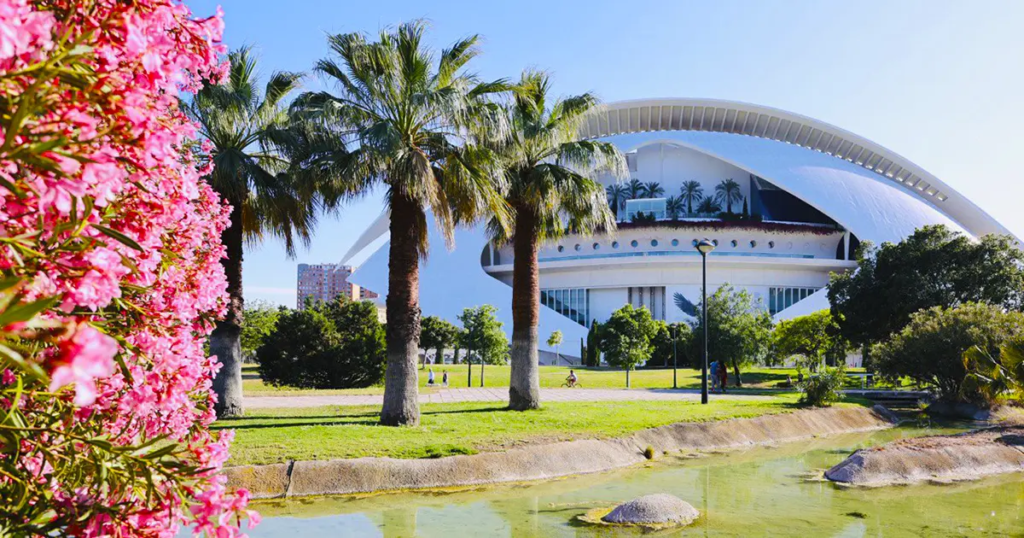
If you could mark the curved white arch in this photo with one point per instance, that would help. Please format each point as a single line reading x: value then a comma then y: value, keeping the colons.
x: 693, y: 114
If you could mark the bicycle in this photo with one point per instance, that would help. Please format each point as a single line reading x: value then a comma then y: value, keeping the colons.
x: 576, y: 385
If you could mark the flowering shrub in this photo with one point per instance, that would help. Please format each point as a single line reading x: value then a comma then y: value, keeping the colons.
x: 109, y: 274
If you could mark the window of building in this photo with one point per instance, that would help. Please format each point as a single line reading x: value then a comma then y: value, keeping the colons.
x: 654, y: 242
x: 572, y: 303
x: 615, y: 244
x: 675, y: 242
x: 781, y: 298
x: 634, y: 243
x: 647, y: 206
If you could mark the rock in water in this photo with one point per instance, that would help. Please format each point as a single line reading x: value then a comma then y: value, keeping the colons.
x: 658, y: 509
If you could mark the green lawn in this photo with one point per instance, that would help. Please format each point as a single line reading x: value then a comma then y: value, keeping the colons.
x: 277, y: 435
x: 550, y: 376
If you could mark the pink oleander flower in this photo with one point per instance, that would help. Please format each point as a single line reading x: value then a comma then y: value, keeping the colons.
x: 85, y: 357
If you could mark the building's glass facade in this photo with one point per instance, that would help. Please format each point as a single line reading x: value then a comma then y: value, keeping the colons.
x: 781, y: 298
x: 573, y: 303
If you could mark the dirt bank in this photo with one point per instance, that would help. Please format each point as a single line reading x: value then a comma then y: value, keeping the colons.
x: 364, y: 475
x: 943, y: 458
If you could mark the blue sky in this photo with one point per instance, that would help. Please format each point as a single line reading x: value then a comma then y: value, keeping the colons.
x: 937, y: 82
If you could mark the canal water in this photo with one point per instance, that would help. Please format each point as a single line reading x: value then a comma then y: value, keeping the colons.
x: 769, y: 491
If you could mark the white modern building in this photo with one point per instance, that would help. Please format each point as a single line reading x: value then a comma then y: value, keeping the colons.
x: 813, y: 192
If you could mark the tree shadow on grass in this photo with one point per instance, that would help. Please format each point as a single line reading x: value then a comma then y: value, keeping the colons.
x: 338, y: 421
x: 460, y: 411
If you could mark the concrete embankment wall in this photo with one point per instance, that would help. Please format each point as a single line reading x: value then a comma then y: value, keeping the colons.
x: 967, y: 456
x: 539, y: 462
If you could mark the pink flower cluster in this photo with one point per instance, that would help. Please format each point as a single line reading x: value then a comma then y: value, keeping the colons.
x: 123, y: 231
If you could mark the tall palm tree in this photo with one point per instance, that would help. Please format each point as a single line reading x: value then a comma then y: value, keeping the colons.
x: 408, y: 116
x: 652, y: 189
x: 551, y: 191
x: 250, y: 167
x: 728, y: 192
x: 617, y: 197
x: 635, y: 189
x: 674, y: 206
x: 691, y: 192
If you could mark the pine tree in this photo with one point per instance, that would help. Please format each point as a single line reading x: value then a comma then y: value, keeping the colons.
x: 746, y: 212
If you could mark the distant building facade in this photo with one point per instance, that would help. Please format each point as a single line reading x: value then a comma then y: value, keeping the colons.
x: 326, y: 281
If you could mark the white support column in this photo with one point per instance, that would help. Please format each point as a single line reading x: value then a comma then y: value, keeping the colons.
x: 846, y: 245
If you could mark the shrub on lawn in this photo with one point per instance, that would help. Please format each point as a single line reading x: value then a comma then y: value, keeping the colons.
x: 930, y: 349
x: 334, y: 346
x: 822, y: 390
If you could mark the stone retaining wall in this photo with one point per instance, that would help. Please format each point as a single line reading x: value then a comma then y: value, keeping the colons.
x: 539, y: 462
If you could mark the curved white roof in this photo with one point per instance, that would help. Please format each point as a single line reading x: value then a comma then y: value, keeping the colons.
x: 690, y: 114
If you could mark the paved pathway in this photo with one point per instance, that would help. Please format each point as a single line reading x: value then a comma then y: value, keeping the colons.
x: 498, y: 394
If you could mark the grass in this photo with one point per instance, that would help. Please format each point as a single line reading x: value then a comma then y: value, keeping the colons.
x: 550, y: 377
x: 277, y: 435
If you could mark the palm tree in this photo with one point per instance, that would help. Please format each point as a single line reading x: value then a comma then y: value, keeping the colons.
x: 728, y: 192
x: 674, y: 206
x: 408, y: 119
x: 250, y: 171
x: 617, y: 197
x: 652, y: 189
x: 551, y: 191
x: 635, y: 189
x: 691, y: 192
x: 709, y: 206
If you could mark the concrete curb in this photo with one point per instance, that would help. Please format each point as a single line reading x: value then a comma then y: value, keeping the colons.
x: 539, y: 462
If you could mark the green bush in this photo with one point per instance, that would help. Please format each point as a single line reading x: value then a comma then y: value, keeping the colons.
x: 336, y: 346
x: 930, y: 349
x: 822, y: 390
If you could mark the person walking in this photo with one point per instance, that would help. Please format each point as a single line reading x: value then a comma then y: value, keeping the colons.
x: 713, y: 374
x: 723, y: 373
x: 444, y: 378
x: 430, y: 376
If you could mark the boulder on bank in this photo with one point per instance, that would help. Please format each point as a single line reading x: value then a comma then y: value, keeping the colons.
x: 660, y: 509
x: 942, y: 458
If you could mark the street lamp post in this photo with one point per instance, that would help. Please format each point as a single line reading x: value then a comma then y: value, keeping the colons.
x: 704, y: 247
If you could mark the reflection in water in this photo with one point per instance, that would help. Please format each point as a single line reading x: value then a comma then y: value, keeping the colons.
x: 751, y: 493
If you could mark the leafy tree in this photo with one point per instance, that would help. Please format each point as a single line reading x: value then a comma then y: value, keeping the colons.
x: 739, y: 329
x: 671, y: 341
x: 626, y: 338
x: 250, y: 165
x: 930, y: 349
x: 412, y: 121
x: 437, y: 334
x: 551, y: 191
x: 634, y: 189
x: 337, y: 345
x: 258, y: 322
x: 583, y: 351
x: 674, y: 206
x: 593, y: 357
x: 483, y: 337
x: 709, y: 206
x: 691, y: 192
x: 555, y: 340
x: 935, y: 266
x: 652, y: 189
x: 814, y: 336
x: 728, y: 192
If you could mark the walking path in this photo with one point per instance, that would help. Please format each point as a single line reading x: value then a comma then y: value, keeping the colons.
x: 497, y: 394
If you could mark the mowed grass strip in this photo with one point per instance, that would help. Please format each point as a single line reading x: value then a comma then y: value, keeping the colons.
x: 550, y: 377
x: 277, y: 435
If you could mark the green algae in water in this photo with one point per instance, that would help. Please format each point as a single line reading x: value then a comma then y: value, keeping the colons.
x: 756, y: 492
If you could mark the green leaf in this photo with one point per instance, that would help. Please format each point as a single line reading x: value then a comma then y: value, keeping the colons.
x: 25, y: 312
x: 118, y: 236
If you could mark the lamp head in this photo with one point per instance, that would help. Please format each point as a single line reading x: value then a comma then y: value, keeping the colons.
x: 705, y: 246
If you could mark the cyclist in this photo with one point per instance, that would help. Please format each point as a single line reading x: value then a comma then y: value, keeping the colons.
x: 571, y: 380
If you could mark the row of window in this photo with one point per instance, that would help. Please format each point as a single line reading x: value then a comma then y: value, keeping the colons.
x: 573, y: 303
x: 654, y: 243
x: 781, y: 298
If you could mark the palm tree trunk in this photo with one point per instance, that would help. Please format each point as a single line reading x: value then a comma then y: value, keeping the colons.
x: 401, y: 391
x: 226, y: 339
x: 524, y: 384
